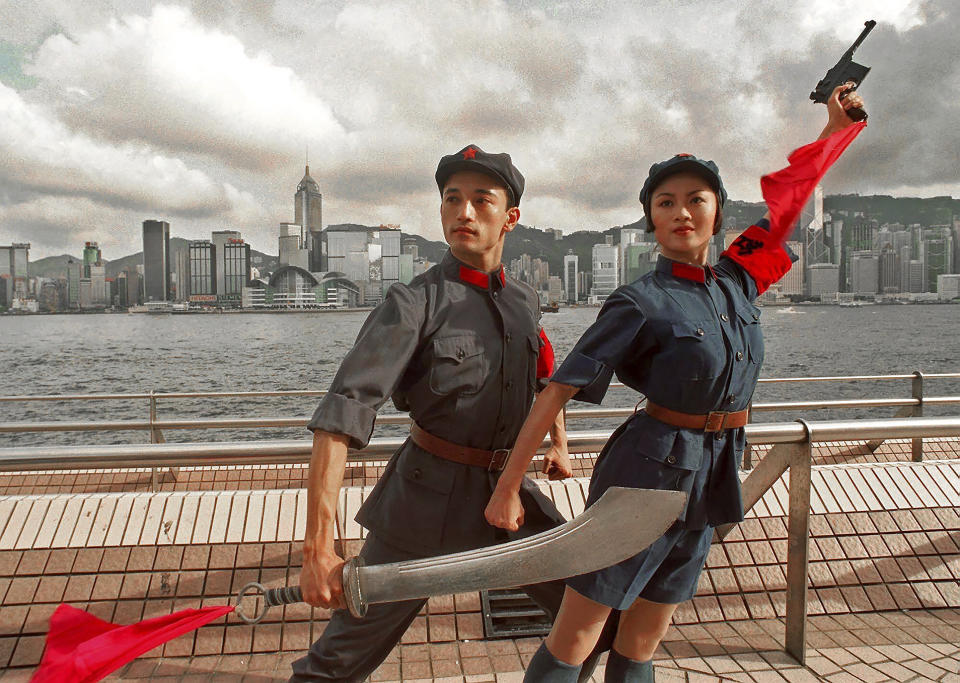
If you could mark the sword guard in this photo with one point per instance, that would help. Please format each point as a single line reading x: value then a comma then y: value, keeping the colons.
x: 351, y: 587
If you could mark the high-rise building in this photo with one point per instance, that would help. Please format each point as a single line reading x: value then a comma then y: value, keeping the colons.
x: 220, y: 238
x: 570, y: 265
x: 236, y: 272
x: 554, y: 289
x: 181, y: 274
x: 91, y: 256
x: 74, y: 274
x: 824, y: 279
x: 889, y: 266
x: 292, y: 251
x: 606, y: 271
x: 936, y: 252
x: 389, y: 256
x: 793, y: 282
x: 308, y: 214
x: 864, y: 272
x: 628, y: 236
x: 98, y: 285
x: 203, y: 268
x: 14, y: 262
x: 156, y: 261
x: 639, y: 259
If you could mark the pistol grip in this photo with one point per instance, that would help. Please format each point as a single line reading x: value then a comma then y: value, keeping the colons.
x: 857, y: 113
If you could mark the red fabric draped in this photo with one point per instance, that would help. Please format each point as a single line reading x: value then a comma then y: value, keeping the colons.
x: 760, y: 250
x: 787, y: 190
x: 82, y: 649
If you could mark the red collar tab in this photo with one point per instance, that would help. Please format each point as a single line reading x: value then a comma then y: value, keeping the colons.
x: 479, y: 278
x: 688, y: 272
x: 469, y: 153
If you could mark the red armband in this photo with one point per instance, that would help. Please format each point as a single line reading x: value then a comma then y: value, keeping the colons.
x: 545, y: 359
x: 761, y: 254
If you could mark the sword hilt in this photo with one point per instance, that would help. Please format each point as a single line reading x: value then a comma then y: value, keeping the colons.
x: 271, y: 598
x: 289, y: 595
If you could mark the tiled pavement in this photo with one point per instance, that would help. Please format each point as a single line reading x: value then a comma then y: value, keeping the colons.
x: 921, y: 645
x: 884, y: 538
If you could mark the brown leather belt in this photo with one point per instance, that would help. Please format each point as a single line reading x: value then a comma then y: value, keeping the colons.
x: 492, y: 460
x: 711, y: 422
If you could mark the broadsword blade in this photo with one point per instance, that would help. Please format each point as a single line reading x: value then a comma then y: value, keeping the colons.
x: 620, y: 524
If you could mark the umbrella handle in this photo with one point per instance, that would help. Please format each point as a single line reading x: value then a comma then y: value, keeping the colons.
x: 271, y: 598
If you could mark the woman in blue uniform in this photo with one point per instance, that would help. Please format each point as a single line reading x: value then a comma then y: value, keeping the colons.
x: 687, y: 337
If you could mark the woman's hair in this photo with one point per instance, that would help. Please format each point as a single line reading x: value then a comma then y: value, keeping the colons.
x: 717, y: 223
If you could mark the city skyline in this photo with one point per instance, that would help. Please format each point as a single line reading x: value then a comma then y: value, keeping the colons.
x: 211, y: 115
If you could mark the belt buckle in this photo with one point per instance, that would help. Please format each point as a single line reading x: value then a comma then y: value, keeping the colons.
x: 715, y: 421
x: 499, y: 460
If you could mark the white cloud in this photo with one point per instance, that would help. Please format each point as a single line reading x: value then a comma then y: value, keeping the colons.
x: 204, y: 109
x: 166, y: 79
x: 42, y: 155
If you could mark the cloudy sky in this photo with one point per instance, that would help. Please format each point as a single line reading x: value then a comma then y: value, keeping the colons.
x: 200, y: 112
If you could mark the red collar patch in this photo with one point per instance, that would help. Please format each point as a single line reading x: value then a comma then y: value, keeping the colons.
x: 688, y: 272
x: 479, y: 278
x: 470, y: 153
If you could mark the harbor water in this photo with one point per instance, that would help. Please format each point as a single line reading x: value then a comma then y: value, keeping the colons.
x: 119, y: 353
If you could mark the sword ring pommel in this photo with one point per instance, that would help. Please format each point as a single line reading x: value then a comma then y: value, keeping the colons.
x: 351, y: 587
x: 255, y: 590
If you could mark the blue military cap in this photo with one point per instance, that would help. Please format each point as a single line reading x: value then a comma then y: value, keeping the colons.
x: 677, y: 164
x: 472, y: 158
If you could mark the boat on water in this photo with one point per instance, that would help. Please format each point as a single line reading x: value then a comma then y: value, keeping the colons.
x: 552, y: 307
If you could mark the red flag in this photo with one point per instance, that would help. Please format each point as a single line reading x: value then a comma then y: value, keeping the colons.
x: 760, y: 250
x: 82, y: 649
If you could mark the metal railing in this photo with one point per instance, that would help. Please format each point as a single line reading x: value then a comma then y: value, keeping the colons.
x: 792, y: 450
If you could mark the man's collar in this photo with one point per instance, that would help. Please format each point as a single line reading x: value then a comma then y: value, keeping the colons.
x: 684, y: 271
x: 458, y: 270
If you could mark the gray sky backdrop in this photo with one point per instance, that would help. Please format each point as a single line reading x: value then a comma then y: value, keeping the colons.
x: 199, y: 113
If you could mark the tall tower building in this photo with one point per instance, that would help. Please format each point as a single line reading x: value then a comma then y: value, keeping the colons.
x: 156, y: 261
x: 308, y: 214
x: 220, y: 239
x: 570, y: 264
x: 203, y: 267
x: 91, y: 256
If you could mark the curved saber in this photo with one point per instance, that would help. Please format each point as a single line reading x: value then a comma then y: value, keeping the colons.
x: 619, y: 525
x: 623, y: 522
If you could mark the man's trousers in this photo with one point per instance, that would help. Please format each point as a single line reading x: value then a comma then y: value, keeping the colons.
x: 350, y: 649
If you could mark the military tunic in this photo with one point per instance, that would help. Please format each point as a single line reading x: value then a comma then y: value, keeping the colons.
x: 457, y: 348
x: 688, y: 338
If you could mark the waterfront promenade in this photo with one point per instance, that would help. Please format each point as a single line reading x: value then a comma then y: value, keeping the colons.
x: 883, y: 598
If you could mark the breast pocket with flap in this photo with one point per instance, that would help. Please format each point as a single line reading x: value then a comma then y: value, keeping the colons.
x: 458, y: 365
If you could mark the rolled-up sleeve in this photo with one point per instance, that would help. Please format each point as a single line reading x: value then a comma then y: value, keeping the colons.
x: 372, y: 369
x: 615, y: 335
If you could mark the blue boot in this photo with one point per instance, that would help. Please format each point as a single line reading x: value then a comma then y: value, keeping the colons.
x: 620, y: 669
x: 545, y: 668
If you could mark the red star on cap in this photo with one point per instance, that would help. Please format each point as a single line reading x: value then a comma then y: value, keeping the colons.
x: 683, y: 154
x: 470, y: 153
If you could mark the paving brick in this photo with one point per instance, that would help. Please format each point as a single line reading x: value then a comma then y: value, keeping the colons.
x: 141, y: 558
x: 27, y: 651
x: 21, y: 590
x: 32, y: 562
x: 60, y: 561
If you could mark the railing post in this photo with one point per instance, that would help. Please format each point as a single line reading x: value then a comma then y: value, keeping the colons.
x: 917, y: 446
x: 798, y: 540
x: 747, y: 448
x: 154, y: 478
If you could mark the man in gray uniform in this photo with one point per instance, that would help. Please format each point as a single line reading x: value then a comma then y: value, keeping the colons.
x: 458, y: 348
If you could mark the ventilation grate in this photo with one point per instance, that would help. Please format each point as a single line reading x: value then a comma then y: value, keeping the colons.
x: 511, y: 613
